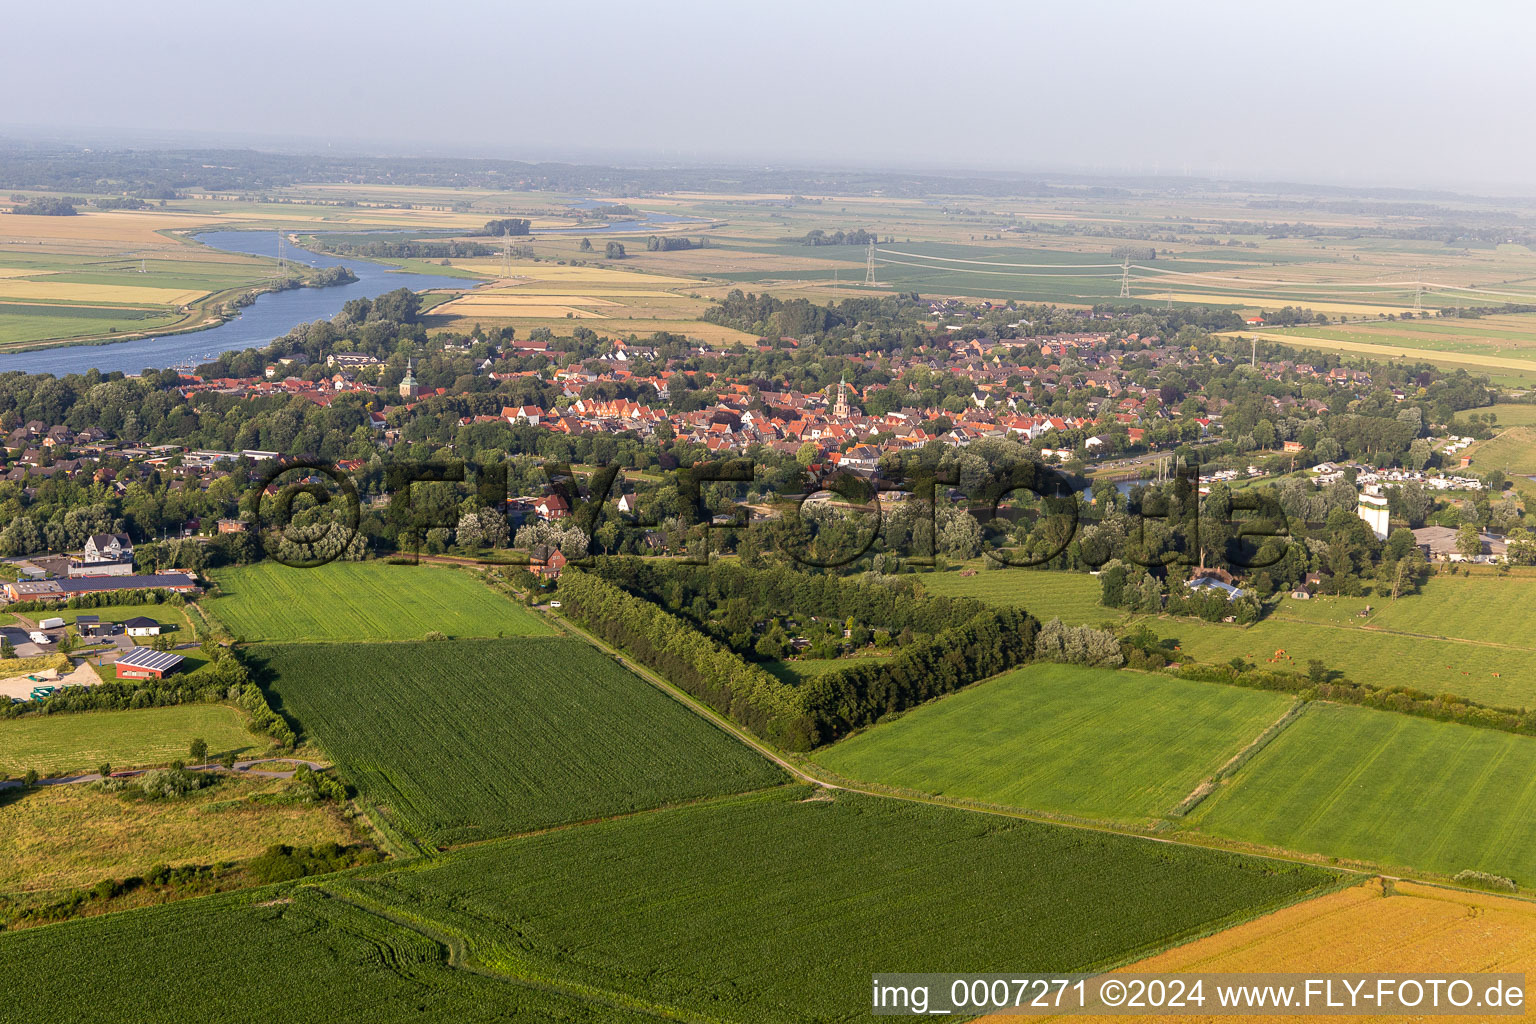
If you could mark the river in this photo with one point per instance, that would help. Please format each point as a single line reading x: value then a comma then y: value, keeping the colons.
x: 271, y: 316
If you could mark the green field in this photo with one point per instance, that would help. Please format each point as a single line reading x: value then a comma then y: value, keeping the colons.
x: 793, y: 672
x: 21, y: 323
x: 1508, y: 414
x: 762, y: 909
x: 1461, y: 635
x: 1512, y: 450
x: 1494, y: 675
x: 471, y: 739
x: 1485, y: 609
x: 332, y: 962
x: 364, y: 601
x: 1094, y: 743
x: 67, y: 743
x: 1073, y: 597
x: 1388, y: 789
x: 1465, y: 635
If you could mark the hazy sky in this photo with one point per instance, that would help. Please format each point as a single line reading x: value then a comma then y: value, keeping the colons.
x: 1389, y: 93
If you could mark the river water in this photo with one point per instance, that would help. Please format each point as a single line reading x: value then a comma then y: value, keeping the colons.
x: 271, y: 316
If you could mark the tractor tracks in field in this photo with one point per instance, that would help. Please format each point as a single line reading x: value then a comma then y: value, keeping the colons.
x: 455, y: 951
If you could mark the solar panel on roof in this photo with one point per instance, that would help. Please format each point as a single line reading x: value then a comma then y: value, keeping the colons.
x: 144, y: 657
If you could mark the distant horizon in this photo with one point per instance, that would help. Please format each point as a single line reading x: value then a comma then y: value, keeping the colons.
x: 13, y: 135
x: 1358, y: 95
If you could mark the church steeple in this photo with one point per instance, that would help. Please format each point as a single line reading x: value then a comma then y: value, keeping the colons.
x: 840, y: 410
x: 408, y: 388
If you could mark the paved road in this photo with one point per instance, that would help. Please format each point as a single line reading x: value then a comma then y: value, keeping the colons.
x: 245, y: 767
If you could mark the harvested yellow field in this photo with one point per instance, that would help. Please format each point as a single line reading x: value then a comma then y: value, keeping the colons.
x: 1398, y: 352
x: 730, y: 261
x: 1401, y: 927
x: 570, y: 292
x: 492, y: 308
x: 1261, y: 302
x: 22, y: 288
x: 553, y: 273
x: 20, y: 271
x: 711, y: 334
x: 124, y: 227
x: 505, y: 298
x: 384, y: 217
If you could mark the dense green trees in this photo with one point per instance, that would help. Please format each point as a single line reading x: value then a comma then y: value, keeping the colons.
x: 948, y: 643
x: 46, y: 207
x: 856, y: 236
x: 506, y: 226
x: 672, y: 243
x: 688, y: 658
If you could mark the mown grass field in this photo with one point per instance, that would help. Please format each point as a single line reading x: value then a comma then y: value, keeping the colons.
x: 22, y: 322
x: 363, y: 601
x: 1487, y: 609
x: 57, y: 837
x: 69, y: 743
x: 759, y: 910
x: 1507, y: 414
x: 1512, y: 450
x: 471, y: 739
x: 1093, y: 743
x: 1072, y: 597
x: 1470, y: 636
x: 1389, y: 789
x: 1479, y: 671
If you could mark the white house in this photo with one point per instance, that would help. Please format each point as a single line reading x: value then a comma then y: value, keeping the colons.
x: 142, y: 626
x: 108, y: 547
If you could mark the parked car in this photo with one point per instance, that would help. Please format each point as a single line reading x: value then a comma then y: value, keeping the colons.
x: 39, y: 637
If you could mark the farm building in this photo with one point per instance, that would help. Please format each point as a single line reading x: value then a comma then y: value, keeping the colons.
x: 1439, y: 544
x: 59, y: 589
x: 144, y: 663
x: 1212, y: 583
x: 141, y: 626
x: 92, y: 626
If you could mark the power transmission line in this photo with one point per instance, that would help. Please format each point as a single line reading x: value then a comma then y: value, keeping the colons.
x: 988, y: 273
x: 992, y: 263
x: 1125, y: 279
